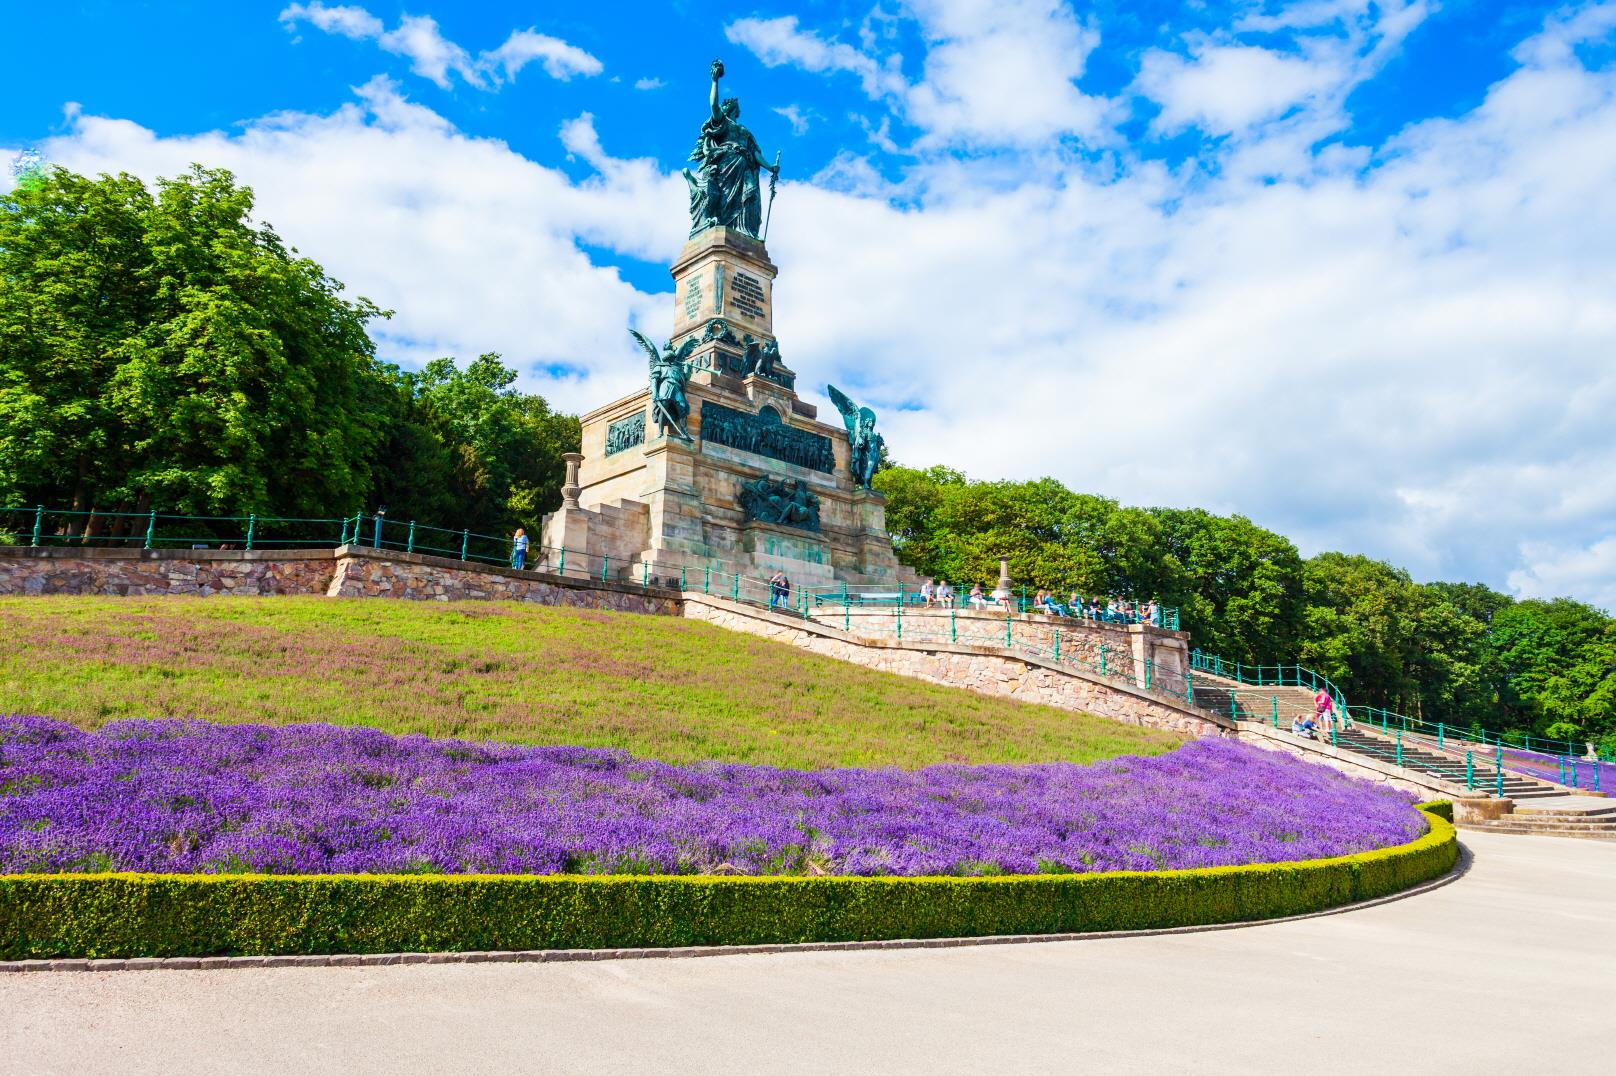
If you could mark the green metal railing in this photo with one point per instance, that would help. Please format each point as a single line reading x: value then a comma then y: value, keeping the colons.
x: 47, y: 527
x: 1267, y: 675
x: 1531, y: 755
x: 902, y: 594
x: 1542, y: 745
x: 880, y: 613
x: 1400, y: 734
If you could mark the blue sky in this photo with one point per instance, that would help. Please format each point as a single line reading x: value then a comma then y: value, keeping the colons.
x: 1344, y: 267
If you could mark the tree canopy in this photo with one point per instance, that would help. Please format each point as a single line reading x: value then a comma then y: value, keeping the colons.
x: 1455, y: 652
x: 161, y: 350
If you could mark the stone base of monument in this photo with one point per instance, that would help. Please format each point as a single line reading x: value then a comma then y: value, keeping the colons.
x: 760, y: 484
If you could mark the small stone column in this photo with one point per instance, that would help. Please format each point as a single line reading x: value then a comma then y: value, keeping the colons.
x: 1002, y: 591
x: 570, y: 488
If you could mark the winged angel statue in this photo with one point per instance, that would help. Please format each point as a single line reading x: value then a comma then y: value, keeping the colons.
x: 863, y: 442
x: 669, y: 372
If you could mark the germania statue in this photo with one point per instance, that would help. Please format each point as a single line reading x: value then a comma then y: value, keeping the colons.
x: 725, y: 191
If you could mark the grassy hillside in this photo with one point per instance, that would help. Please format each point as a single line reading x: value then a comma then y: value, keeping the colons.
x: 656, y: 686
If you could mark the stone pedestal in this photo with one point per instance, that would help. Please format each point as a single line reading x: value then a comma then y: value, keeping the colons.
x: 724, y: 274
x: 668, y: 503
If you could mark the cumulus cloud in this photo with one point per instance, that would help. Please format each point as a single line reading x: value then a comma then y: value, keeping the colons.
x: 995, y: 73
x: 1552, y: 570
x: 783, y: 42
x: 435, y: 57
x: 1229, y: 88
x: 1320, y: 51
x: 1405, y: 350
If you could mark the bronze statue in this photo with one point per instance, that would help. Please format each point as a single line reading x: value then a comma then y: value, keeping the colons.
x: 670, y: 409
x: 761, y: 358
x: 864, y: 444
x: 726, y: 193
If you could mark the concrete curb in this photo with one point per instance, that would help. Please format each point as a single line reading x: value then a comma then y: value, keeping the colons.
x: 559, y: 956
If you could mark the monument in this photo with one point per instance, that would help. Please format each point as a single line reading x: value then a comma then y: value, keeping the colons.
x: 717, y: 463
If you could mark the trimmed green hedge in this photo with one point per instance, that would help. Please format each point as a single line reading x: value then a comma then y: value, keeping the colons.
x: 1440, y: 808
x: 127, y: 915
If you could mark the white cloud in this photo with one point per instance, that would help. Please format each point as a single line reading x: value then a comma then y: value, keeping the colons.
x: 1323, y: 49
x: 475, y: 247
x: 648, y: 84
x: 782, y: 42
x: 995, y: 73
x: 1404, y: 351
x: 435, y: 57
x: 794, y: 116
x: 559, y: 59
x: 352, y: 22
x: 1229, y: 88
x: 431, y: 54
x: 1552, y: 570
x: 1001, y: 72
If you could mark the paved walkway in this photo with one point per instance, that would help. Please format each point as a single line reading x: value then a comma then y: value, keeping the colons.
x: 1511, y: 968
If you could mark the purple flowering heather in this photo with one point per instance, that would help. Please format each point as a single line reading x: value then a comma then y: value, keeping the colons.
x: 192, y: 796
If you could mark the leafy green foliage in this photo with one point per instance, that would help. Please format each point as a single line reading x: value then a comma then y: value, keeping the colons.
x: 163, y: 350
x: 160, y: 350
x: 134, y: 915
x: 1454, y: 652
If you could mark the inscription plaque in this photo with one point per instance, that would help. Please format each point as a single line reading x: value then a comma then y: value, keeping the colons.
x: 693, y: 299
x: 747, y: 296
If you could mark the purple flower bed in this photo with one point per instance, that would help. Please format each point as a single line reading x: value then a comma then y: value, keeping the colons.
x: 192, y: 796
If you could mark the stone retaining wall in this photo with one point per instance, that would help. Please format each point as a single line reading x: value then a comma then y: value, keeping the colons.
x: 139, y: 572
x: 410, y: 576
x: 348, y: 572
x: 976, y: 668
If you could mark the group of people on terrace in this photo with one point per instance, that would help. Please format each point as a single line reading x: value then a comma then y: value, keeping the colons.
x: 1111, y: 610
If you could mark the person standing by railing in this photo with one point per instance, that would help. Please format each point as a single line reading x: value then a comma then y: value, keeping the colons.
x: 779, y: 591
x: 519, y: 549
x: 1323, y: 705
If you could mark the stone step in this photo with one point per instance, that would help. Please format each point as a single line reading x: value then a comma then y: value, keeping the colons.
x: 1586, y: 832
x: 1601, y: 813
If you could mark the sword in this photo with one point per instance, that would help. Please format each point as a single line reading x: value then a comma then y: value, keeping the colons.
x: 774, y: 177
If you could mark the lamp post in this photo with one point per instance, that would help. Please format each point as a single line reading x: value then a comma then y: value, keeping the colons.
x: 376, y: 535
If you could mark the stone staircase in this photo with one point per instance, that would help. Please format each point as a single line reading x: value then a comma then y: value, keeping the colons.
x: 1441, y: 765
x: 1588, y: 817
x: 1246, y: 702
x: 1251, y: 703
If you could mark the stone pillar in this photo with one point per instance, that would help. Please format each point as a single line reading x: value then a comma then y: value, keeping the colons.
x: 1002, y: 591
x: 570, y: 487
